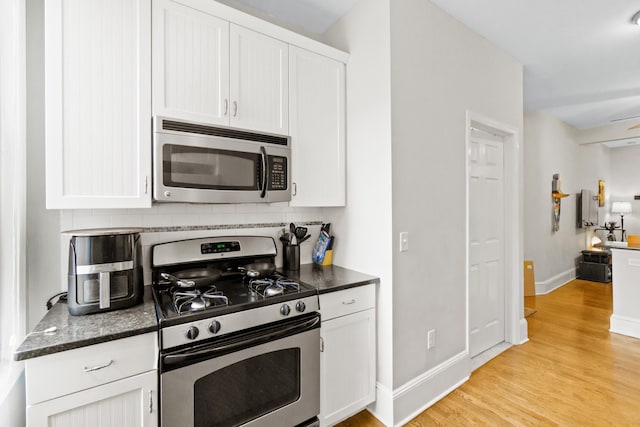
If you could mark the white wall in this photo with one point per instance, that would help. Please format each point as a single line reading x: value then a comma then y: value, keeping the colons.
x: 440, y: 69
x: 43, y: 257
x: 12, y: 408
x: 363, y: 229
x: 624, y: 184
x: 551, y: 146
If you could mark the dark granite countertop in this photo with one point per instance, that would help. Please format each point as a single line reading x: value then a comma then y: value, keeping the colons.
x: 80, y: 331
x: 330, y: 278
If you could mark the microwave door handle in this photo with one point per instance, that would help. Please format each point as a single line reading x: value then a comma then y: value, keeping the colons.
x: 263, y: 155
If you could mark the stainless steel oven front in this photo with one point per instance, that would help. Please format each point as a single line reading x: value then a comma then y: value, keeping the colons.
x: 266, y: 376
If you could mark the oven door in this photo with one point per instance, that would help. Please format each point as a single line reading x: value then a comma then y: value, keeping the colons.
x: 267, y: 377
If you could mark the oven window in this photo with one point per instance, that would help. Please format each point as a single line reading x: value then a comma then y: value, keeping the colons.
x: 246, y: 390
x: 208, y: 168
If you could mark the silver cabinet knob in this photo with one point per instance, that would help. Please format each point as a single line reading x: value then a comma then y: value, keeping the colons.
x: 167, y: 194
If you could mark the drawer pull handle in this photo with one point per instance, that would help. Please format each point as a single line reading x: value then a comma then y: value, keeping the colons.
x: 349, y: 302
x: 97, y: 367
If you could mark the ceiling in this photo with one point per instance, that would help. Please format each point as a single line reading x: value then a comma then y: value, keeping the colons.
x: 581, y: 57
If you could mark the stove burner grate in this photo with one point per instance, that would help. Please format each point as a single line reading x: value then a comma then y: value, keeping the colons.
x: 186, y: 301
x: 272, y: 287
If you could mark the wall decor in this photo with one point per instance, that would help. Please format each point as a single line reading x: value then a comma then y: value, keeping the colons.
x: 556, y: 196
x: 600, y: 192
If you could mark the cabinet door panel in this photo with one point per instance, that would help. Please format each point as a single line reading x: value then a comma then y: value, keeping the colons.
x: 191, y: 64
x: 347, y: 381
x: 126, y: 403
x: 259, y: 82
x: 97, y: 103
x: 317, y: 125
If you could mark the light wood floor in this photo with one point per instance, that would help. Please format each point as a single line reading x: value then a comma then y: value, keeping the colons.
x: 572, y: 372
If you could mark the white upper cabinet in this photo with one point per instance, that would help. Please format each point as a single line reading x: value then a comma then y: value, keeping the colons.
x: 97, y: 103
x: 211, y: 71
x: 259, y: 79
x: 190, y: 64
x: 317, y: 123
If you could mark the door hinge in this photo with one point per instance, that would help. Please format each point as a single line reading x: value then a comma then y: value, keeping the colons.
x: 321, y: 345
x: 146, y: 185
x: 150, y: 401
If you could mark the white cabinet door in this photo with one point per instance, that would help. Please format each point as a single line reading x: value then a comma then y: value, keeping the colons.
x: 348, y: 371
x: 190, y: 64
x: 210, y: 71
x: 259, y: 81
x: 98, y: 103
x: 317, y: 124
x: 125, y: 403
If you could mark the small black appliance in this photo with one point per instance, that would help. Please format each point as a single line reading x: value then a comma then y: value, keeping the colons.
x: 105, y: 270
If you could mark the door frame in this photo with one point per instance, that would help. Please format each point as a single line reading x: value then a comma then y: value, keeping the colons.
x: 515, y: 323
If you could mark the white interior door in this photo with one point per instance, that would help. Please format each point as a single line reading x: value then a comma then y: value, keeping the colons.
x: 486, y: 241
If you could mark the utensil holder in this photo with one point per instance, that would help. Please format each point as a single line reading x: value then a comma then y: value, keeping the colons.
x: 291, y: 257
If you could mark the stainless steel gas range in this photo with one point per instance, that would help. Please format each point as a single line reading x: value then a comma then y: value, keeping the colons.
x: 239, y: 342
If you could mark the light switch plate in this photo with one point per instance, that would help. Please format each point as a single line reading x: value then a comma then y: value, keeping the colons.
x: 404, y: 241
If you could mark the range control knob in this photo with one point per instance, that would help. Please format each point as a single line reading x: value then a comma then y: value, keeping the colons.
x: 214, y: 327
x: 192, y: 332
x: 300, y: 306
x: 285, y: 310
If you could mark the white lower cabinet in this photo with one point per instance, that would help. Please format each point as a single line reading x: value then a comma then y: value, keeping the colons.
x: 125, y: 403
x: 348, y: 358
x: 111, y: 384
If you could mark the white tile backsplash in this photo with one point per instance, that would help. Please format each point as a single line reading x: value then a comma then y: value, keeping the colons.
x: 250, y: 216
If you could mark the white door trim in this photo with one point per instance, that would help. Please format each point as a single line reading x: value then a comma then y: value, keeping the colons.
x: 515, y: 324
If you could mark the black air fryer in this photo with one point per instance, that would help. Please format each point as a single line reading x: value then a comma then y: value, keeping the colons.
x: 105, y: 270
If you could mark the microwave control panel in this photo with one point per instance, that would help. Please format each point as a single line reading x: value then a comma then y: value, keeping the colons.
x: 278, y: 179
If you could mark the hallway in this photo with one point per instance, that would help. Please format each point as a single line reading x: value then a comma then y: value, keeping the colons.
x: 573, y: 371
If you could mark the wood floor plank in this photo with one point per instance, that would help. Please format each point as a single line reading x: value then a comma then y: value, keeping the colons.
x: 572, y: 372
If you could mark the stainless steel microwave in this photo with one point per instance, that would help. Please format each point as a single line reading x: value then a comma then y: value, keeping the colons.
x: 198, y: 163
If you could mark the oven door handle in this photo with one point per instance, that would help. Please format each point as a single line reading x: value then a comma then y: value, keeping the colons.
x: 263, y: 155
x: 215, y: 349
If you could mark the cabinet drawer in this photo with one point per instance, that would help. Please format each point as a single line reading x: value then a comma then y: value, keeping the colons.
x: 340, y: 303
x: 59, y: 374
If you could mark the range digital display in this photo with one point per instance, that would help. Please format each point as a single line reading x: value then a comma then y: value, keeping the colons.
x: 214, y: 248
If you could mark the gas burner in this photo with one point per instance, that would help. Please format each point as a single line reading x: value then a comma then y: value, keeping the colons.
x: 272, y: 287
x: 186, y: 301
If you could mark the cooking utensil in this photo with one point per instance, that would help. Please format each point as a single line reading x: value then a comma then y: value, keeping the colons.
x: 300, y: 232
x: 258, y: 269
x: 292, y: 229
x: 304, y: 239
x: 286, y: 238
x: 194, y: 277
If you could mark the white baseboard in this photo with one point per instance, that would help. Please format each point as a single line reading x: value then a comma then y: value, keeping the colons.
x: 523, y: 334
x: 416, y: 395
x: 625, y: 325
x: 382, y: 408
x: 555, y: 282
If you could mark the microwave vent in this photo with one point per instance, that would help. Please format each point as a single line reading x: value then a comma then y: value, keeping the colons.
x: 223, y: 132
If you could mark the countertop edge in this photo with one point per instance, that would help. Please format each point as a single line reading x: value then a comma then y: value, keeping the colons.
x: 57, y: 348
x: 375, y: 280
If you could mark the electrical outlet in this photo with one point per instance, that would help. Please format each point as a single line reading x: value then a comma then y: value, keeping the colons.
x: 404, y: 241
x: 431, y: 339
